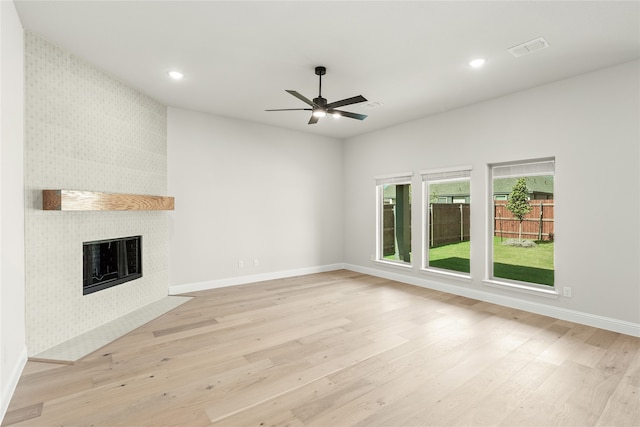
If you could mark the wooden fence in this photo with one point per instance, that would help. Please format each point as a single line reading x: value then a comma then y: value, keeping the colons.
x: 388, y: 230
x: 448, y: 223
x: 537, y: 224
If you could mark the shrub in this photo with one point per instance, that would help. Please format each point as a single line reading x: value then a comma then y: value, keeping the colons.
x: 520, y: 243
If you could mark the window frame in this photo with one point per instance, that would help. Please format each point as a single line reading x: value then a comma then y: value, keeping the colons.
x: 511, y: 284
x: 449, y: 174
x: 380, y: 181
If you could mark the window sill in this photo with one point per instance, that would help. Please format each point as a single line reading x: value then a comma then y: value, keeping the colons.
x: 394, y: 264
x: 527, y: 289
x: 449, y: 274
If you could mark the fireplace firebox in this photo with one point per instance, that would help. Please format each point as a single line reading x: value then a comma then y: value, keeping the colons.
x: 111, y: 262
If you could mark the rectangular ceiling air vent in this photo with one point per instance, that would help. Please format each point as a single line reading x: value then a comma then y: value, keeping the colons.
x: 529, y: 47
x: 372, y: 104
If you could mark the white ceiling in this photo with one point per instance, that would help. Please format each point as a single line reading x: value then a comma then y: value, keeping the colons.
x: 239, y: 56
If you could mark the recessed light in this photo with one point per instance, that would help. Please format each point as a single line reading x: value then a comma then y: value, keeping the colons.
x: 477, y: 63
x: 176, y: 75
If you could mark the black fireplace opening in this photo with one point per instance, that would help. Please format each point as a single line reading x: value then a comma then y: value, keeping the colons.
x: 111, y: 262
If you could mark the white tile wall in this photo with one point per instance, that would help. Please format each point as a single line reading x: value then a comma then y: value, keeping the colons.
x: 85, y: 130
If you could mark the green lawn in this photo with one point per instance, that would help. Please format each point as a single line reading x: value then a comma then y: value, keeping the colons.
x: 533, y: 265
x: 454, y: 256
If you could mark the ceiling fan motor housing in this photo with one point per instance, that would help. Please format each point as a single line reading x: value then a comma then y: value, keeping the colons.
x: 320, y: 101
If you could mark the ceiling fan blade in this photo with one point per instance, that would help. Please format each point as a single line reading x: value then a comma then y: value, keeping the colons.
x: 348, y: 101
x: 348, y: 114
x: 313, y: 120
x: 302, y: 98
x: 291, y: 109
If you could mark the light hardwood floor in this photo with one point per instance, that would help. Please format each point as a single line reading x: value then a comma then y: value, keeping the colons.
x: 341, y: 349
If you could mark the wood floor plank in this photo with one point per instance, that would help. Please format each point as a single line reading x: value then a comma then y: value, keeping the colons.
x: 277, y: 410
x: 249, y: 397
x: 181, y: 328
x: 340, y: 349
x: 547, y: 403
x: 23, y: 414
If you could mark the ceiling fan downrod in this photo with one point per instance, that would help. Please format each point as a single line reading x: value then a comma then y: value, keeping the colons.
x: 320, y: 71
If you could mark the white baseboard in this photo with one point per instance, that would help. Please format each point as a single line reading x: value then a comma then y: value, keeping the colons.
x: 243, y: 280
x: 12, y: 382
x: 602, y: 322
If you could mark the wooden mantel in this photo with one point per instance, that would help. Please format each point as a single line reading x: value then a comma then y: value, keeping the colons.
x: 73, y: 200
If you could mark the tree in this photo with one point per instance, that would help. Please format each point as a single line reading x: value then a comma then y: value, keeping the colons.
x: 518, y: 203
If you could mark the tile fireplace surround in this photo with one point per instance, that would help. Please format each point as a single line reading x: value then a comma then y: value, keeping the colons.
x: 86, y: 130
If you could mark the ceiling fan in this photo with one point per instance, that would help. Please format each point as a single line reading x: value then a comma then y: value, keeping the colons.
x: 320, y: 107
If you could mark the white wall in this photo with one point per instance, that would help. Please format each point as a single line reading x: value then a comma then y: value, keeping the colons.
x: 12, y: 265
x: 247, y: 192
x: 589, y: 123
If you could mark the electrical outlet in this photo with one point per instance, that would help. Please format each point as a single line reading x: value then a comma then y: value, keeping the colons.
x: 566, y: 291
x: 256, y: 263
x: 240, y: 263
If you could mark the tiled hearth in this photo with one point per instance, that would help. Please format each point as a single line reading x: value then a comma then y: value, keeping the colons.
x: 88, y: 342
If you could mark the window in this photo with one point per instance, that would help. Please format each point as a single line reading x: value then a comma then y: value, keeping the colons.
x: 447, y: 210
x: 522, y: 234
x: 394, y: 218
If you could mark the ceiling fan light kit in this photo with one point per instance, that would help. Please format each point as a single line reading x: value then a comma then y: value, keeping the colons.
x: 320, y: 107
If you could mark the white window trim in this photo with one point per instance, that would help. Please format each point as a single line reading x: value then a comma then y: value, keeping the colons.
x: 451, y: 274
x: 397, y: 264
x: 380, y: 180
x: 498, y: 282
x: 523, y: 287
x: 445, y: 170
x: 544, y: 167
x: 425, y: 174
x: 394, y: 178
